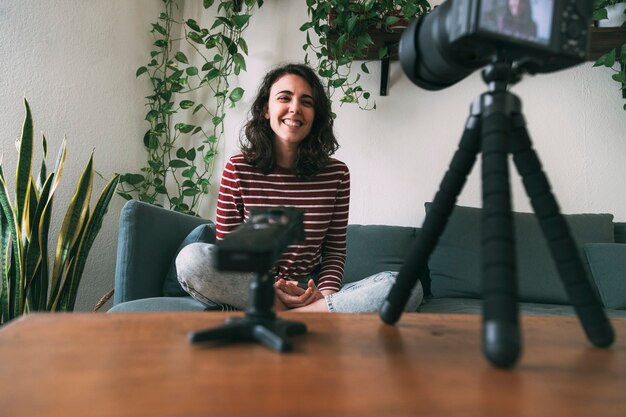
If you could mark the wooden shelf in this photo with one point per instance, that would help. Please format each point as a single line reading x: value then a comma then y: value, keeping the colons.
x: 602, y: 40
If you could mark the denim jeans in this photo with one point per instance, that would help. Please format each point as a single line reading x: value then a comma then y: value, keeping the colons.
x: 228, y: 290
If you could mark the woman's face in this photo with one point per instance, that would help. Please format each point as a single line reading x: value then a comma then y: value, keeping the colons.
x: 290, y: 110
x: 514, y: 7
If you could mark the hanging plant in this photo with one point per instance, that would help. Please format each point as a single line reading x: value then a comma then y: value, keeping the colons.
x: 177, y: 175
x: 340, y: 32
x: 615, y: 59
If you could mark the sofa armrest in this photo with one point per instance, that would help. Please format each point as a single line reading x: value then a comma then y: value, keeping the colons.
x: 149, y: 237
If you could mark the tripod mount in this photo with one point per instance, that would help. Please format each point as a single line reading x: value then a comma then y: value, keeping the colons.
x: 496, y: 128
x: 254, y: 247
x: 259, y: 323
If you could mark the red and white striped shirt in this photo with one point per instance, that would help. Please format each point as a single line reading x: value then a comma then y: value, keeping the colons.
x: 325, y: 199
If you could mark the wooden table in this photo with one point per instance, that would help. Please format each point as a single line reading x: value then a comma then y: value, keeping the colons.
x: 138, y: 364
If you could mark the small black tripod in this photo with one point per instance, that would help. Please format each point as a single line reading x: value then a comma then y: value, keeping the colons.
x: 495, y: 128
x: 259, y: 324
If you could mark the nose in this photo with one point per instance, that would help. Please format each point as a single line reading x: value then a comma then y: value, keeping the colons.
x: 294, y: 106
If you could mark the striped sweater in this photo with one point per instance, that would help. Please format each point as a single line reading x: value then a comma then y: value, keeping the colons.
x: 325, y: 200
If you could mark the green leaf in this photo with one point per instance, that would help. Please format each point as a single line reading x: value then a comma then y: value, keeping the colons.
x: 217, y: 120
x: 181, y: 57
x: 195, y: 37
x: 191, y: 71
x: 191, y: 154
x: 236, y: 94
x: 73, y: 222
x: 600, y: 14
x: 239, y: 61
x: 133, y: 179
x: 338, y: 82
x: 157, y: 27
x: 241, y: 20
x: 193, y: 25
x: 152, y: 115
x: 190, y: 192
x: 23, y: 172
x: 181, y: 153
x: 186, y: 104
x: 141, y: 70
x: 183, y: 127
x: 12, y: 275
x: 207, y: 3
x: 607, y: 60
x: 364, y: 68
x: 189, y: 173
x: 177, y: 163
x: 243, y: 45
x: 86, y: 242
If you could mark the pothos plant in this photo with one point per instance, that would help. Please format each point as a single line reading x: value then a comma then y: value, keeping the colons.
x: 339, y: 32
x: 28, y: 284
x: 183, y: 153
x: 615, y: 59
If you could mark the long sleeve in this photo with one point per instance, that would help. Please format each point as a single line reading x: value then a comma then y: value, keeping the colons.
x: 334, y: 245
x: 230, y: 207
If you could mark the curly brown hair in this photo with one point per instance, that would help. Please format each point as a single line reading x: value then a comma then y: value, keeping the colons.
x: 257, y: 143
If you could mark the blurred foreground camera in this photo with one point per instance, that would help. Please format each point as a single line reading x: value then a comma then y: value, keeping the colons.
x: 536, y: 36
x: 258, y: 243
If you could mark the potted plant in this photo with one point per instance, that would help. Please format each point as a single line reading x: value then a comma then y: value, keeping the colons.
x: 611, y: 16
x: 27, y: 282
x: 340, y: 32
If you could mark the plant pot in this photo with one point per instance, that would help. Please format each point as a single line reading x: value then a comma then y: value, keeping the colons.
x: 616, y: 16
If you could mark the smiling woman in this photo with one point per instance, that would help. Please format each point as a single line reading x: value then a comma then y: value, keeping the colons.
x: 286, y: 161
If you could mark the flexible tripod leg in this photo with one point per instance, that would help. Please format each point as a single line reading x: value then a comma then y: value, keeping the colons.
x: 501, y: 330
x: 556, y: 232
x: 435, y: 220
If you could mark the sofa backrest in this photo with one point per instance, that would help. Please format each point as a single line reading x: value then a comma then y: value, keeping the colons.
x: 376, y: 248
x: 619, y: 229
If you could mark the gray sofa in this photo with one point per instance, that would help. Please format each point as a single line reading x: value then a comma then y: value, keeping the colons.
x: 150, y: 237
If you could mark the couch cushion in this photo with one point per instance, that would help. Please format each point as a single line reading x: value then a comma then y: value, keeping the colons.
x: 608, y: 269
x: 205, y: 233
x: 159, y: 304
x: 620, y: 232
x: 376, y: 248
x: 474, y: 306
x: 455, y: 265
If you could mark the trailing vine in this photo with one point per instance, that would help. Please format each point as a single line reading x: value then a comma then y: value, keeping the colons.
x: 181, y: 155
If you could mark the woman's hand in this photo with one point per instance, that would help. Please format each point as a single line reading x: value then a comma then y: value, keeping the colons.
x: 292, y: 296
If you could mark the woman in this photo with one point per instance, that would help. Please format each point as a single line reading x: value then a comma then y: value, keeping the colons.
x: 286, y: 161
x: 517, y: 19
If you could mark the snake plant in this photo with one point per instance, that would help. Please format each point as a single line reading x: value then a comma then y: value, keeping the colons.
x: 28, y: 284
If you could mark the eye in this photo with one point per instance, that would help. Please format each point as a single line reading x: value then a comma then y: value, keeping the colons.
x: 283, y: 99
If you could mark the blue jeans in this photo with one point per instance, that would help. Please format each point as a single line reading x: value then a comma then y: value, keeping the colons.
x: 221, y: 290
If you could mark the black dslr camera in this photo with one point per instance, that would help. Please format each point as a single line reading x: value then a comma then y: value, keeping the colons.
x: 259, y: 242
x: 460, y: 36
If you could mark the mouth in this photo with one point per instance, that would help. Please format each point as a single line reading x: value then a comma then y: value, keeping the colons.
x: 292, y: 122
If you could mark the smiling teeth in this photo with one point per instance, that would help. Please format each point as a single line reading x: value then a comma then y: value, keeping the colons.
x: 292, y: 123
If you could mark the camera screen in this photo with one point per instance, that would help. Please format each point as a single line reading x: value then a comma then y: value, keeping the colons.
x: 526, y: 20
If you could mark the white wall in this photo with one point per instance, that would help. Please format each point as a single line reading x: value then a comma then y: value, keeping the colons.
x: 75, y: 61
x: 398, y: 153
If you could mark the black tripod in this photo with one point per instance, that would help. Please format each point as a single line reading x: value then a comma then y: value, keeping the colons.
x: 495, y: 128
x: 259, y: 323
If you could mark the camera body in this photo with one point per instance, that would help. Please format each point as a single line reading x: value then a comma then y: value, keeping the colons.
x: 460, y: 36
x: 257, y: 244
